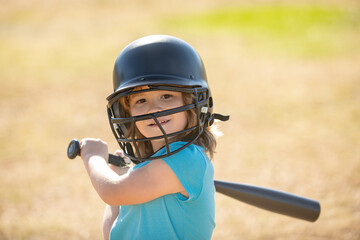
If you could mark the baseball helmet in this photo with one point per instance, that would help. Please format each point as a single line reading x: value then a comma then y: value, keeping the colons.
x: 159, y: 62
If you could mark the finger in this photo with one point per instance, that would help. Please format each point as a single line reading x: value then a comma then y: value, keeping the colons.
x: 127, y: 160
x: 121, y: 154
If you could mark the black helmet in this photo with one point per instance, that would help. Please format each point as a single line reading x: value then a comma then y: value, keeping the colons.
x: 160, y: 62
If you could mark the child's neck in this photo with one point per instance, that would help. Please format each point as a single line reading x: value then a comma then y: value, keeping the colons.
x: 157, y: 144
x: 160, y: 143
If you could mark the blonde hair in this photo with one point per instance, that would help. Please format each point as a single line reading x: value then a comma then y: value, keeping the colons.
x: 207, y: 138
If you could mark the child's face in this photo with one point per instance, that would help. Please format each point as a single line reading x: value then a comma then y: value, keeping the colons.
x: 156, y: 101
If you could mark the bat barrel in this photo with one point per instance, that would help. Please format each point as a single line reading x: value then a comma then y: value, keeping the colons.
x: 271, y: 200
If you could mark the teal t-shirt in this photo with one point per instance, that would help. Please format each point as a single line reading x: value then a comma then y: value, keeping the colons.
x: 174, y: 216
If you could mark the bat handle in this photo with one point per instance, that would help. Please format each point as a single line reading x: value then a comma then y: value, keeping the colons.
x: 74, y: 150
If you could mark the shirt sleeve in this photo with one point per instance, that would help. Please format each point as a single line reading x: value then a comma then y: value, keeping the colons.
x: 189, y: 166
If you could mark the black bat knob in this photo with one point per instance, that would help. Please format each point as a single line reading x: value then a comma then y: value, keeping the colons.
x: 74, y: 150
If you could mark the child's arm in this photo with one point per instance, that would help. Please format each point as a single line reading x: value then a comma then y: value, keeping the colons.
x: 144, y: 184
x: 110, y: 214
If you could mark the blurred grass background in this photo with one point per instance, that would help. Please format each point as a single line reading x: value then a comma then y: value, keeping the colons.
x: 288, y: 73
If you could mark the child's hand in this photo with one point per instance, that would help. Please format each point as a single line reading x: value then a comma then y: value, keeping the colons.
x: 120, y: 170
x: 121, y: 154
x: 93, y: 147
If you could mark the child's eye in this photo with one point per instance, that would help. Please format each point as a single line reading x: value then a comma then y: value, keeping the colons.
x: 166, y: 96
x: 142, y: 100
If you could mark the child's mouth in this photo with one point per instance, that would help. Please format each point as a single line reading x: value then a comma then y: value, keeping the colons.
x: 162, y: 122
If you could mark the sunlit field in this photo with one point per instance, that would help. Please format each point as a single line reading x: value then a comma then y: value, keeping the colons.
x: 287, y: 72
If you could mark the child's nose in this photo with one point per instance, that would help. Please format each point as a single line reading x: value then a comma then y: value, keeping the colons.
x: 155, y: 106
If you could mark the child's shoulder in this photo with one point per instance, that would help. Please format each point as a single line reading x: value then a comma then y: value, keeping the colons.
x: 192, y: 155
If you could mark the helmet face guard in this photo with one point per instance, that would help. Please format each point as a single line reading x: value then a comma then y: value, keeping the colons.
x: 124, y: 127
x: 159, y: 62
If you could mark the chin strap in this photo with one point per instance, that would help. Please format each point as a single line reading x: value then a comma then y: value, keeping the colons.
x: 221, y: 117
x: 218, y: 116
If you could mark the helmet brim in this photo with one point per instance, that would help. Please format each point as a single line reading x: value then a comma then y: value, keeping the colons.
x: 157, y: 80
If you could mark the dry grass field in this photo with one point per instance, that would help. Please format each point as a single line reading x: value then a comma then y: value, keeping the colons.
x: 288, y: 73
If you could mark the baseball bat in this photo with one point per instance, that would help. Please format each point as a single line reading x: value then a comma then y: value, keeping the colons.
x: 269, y: 199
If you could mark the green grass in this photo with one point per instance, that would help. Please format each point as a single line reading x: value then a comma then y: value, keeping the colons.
x: 310, y: 30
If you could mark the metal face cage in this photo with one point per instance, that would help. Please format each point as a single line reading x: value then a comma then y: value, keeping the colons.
x: 122, y: 125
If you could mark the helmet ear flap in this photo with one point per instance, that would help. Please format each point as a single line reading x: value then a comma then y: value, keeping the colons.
x: 118, y: 112
x: 116, y: 109
x: 121, y: 130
